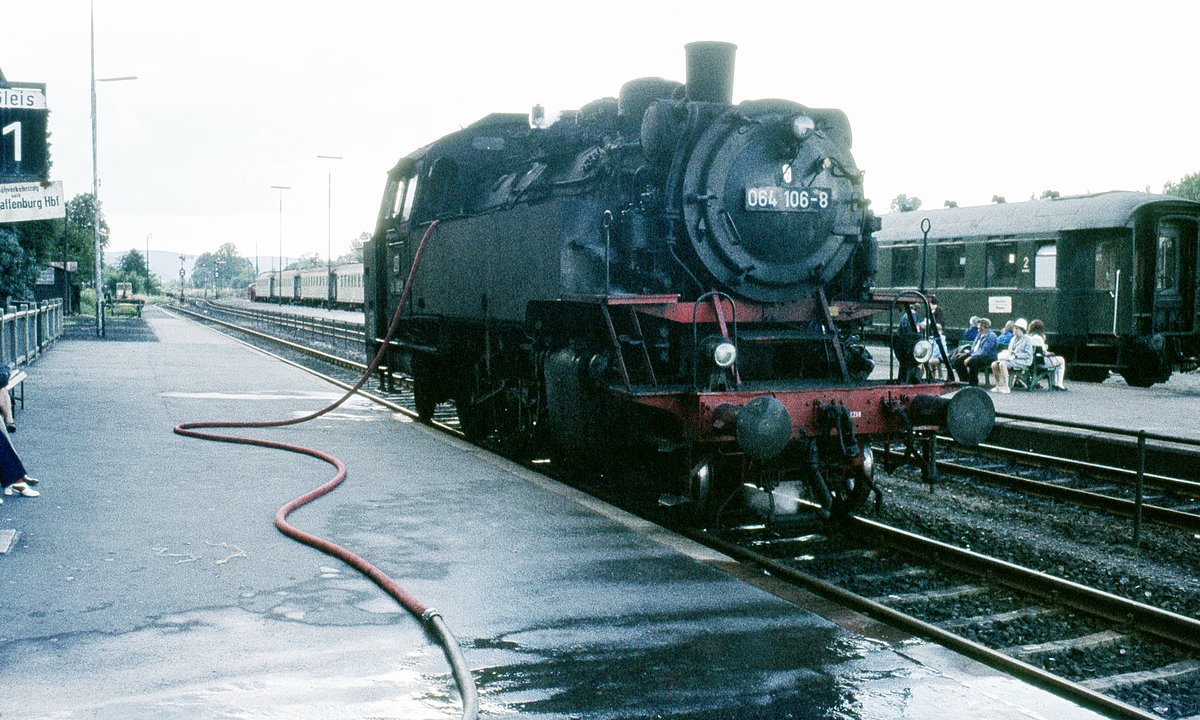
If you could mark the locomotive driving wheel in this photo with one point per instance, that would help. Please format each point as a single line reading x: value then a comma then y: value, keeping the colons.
x: 427, y: 389
x: 474, y: 414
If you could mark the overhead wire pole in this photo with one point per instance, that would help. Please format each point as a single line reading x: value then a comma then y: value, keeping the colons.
x: 97, y: 280
x: 329, y: 291
x: 279, y: 272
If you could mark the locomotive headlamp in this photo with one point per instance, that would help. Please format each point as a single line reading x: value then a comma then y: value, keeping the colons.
x: 724, y: 354
x: 922, y: 351
x: 802, y: 126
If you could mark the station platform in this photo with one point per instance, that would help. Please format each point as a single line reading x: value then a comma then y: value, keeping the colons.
x: 148, y: 580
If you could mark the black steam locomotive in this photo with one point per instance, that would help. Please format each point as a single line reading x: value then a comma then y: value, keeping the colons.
x: 664, y: 282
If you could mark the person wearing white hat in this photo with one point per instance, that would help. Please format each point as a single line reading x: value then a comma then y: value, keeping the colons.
x: 1018, y: 355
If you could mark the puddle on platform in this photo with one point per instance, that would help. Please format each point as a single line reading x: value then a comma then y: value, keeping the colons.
x: 230, y: 664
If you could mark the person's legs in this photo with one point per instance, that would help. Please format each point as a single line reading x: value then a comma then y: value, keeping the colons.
x: 12, y: 471
x: 962, y: 367
x: 1000, y: 371
x: 6, y: 411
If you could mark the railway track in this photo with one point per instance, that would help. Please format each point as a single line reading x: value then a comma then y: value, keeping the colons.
x: 1121, y: 491
x: 1125, y: 658
x: 1122, y: 656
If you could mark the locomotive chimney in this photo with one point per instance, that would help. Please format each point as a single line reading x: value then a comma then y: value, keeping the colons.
x: 710, y: 71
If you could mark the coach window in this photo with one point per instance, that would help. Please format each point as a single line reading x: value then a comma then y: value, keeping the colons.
x: 951, y: 264
x: 1003, y: 266
x: 905, y: 266
x: 1106, y: 266
x: 1166, y: 272
x: 1045, y: 266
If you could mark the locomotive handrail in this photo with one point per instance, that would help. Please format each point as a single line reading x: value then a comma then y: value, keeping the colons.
x: 950, y: 373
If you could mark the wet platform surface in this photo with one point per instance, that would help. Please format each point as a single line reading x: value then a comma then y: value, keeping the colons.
x: 149, y: 582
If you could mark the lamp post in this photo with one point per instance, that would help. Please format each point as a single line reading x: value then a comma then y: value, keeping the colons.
x: 329, y: 291
x: 182, y: 258
x: 279, y: 285
x: 99, y: 253
x: 148, y: 236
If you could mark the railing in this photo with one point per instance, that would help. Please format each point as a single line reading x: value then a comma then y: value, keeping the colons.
x: 27, y: 329
x: 1140, y: 435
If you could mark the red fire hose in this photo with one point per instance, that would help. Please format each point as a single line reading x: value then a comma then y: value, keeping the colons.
x: 431, y: 619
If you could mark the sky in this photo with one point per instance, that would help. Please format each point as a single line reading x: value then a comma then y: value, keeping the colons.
x: 947, y: 100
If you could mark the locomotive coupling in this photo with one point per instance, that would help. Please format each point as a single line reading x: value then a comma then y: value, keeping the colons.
x: 968, y: 415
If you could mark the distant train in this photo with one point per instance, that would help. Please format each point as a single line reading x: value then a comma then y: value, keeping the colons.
x: 1113, y: 275
x: 312, y: 286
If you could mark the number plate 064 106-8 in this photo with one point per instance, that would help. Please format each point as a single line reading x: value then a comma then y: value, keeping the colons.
x: 787, y: 199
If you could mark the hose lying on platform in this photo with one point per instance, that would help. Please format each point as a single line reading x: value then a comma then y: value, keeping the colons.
x: 431, y: 619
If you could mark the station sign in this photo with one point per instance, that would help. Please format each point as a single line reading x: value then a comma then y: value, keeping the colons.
x: 21, y: 202
x: 23, y: 150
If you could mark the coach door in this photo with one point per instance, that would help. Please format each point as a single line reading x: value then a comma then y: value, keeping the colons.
x: 1175, y: 275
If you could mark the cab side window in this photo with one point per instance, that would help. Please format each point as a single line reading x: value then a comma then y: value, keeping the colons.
x: 402, y: 199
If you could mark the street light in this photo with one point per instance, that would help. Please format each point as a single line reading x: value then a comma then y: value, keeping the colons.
x: 97, y: 281
x: 329, y: 231
x: 279, y: 285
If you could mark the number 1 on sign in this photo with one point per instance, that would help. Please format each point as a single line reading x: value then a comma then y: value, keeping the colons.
x: 15, y: 129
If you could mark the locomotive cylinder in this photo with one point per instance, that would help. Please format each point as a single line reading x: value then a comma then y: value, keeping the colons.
x: 710, y: 72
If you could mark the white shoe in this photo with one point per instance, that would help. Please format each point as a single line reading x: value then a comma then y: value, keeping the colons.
x: 21, y: 489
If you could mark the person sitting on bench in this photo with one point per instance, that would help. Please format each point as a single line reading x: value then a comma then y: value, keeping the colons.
x: 981, y: 355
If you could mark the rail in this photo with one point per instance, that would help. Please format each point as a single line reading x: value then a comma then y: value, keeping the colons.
x: 1140, y: 435
x: 27, y: 329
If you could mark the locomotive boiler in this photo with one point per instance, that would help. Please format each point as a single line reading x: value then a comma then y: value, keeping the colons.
x: 663, y: 286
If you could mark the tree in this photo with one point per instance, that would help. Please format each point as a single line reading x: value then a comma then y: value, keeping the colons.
x: 223, y: 269
x: 131, y: 269
x: 950, y: 204
x: 30, y: 246
x: 132, y: 262
x: 904, y: 203
x: 998, y: 199
x: 77, y: 233
x: 1188, y: 187
x: 1050, y: 195
x: 307, y: 260
x: 356, y: 250
x: 18, y: 269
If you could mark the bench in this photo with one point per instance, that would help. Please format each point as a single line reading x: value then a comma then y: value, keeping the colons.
x: 1033, y: 375
x: 136, y: 304
x: 16, y: 382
